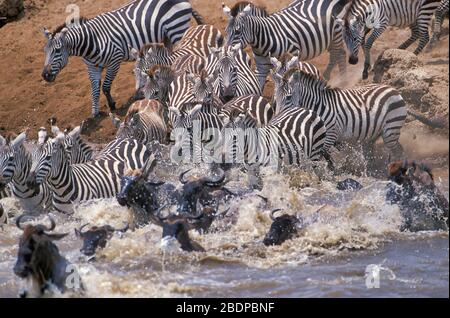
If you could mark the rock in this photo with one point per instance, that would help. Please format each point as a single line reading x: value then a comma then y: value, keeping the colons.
x: 423, y: 87
x: 9, y: 10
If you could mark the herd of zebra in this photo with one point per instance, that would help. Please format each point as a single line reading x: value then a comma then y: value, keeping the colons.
x: 198, y: 88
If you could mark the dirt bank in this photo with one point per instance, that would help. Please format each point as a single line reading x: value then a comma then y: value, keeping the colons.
x: 27, y: 101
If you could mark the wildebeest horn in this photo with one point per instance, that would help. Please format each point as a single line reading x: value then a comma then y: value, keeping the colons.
x: 272, y: 214
x: 80, y: 230
x: 52, y: 224
x: 156, y: 184
x: 222, y: 213
x: 214, y: 183
x: 19, y: 220
x: 182, y: 176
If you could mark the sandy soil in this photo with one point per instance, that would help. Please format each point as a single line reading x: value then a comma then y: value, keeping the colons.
x: 27, y: 102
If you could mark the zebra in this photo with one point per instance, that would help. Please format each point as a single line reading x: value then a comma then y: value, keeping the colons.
x: 376, y: 15
x: 293, y: 136
x: 359, y: 114
x: 188, y: 54
x: 103, y: 41
x: 197, y: 128
x: 231, y: 67
x: 144, y: 122
x: 15, y: 166
x: 440, y: 14
x: 76, y: 148
x: 99, y: 178
x: 287, y: 62
x: 311, y: 27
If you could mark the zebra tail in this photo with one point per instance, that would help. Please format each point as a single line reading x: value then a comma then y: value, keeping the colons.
x: 436, y: 124
x: 198, y: 18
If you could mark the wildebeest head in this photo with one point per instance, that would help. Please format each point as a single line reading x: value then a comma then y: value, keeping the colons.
x: 282, y: 229
x: 177, y: 227
x: 96, y: 237
x: 193, y: 188
x: 38, y: 256
x: 422, y: 205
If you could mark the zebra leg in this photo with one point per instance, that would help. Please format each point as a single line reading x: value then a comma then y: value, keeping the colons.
x: 263, y: 67
x: 337, y: 56
x: 368, y: 46
x: 111, y: 73
x: 415, y: 34
x: 440, y: 14
x: 424, y: 37
x: 95, y: 76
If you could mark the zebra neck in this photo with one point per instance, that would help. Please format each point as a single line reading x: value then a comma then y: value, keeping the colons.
x: 61, y: 180
x: 82, y: 41
x: 359, y: 9
x: 21, y: 172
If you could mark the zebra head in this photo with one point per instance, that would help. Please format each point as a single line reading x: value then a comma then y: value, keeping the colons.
x: 11, y: 155
x: 203, y: 87
x: 282, y: 96
x: 286, y: 62
x: 57, y: 52
x: 158, y: 80
x: 354, y: 30
x: 227, y: 73
x: 76, y: 149
x: 237, y: 28
x: 184, y: 119
x: 47, y: 160
x: 233, y: 136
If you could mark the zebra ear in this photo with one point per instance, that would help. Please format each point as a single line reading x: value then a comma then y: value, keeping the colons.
x: 18, y: 141
x: 194, y: 111
x: 226, y: 10
x: 115, y: 121
x: 75, y: 133
x: 214, y: 50
x: 275, y: 62
x: 42, y: 135
x: 340, y: 22
x: 2, y: 141
x: 47, y: 33
x: 293, y: 62
x: 246, y: 10
x: 58, y: 140
x: 175, y: 111
x: 133, y: 53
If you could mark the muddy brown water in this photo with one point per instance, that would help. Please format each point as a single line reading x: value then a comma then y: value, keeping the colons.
x: 356, y: 233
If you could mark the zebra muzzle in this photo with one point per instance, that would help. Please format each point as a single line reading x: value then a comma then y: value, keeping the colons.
x: 31, y: 181
x: 48, y: 77
x: 353, y: 60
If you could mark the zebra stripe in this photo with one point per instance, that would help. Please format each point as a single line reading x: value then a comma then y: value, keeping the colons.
x: 441, y: 12
x: 360, y: 114
x: 196, y: 132
x: 104, y: 40
x: 15, y: 165
x: 231, y: 67
x: 99, y: 178
x: 310, y: 27
x: 144, y: 122
x: 292, y: 137
x: 77, y: 150
x: 188, y: 54
x: 365, y: 16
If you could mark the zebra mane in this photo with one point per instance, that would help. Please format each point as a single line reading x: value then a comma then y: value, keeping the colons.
x: 58, y: 29
x: 158, y: 47
x: 239, y: 7
x: 309, y: 77
x: 162, y: 68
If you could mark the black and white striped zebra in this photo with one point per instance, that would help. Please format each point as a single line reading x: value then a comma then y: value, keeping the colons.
x: 188, y: 54
x: 292, y: 137
x: 145, y: 121
x: 196, y: 132
x: 104, y: 40
x: 360, y: 114
x: 76, y: 148
x: 15, y: 166
x: 365, y: 16
x: 99, y: 178
x: 312, y: 27
x: 440, y: 14
x: 233, y: 73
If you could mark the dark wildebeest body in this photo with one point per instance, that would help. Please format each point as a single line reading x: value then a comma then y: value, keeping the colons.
x: 39, y: 260
x: 422, y: 205
x: 283, y: 228
x: 96, y: 237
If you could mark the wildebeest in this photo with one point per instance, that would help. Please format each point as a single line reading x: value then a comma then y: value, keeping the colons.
x: 422, y: 205
x: 349, y: 185
x: 283, y: 228
x: 39, y: 260
x: 96, y: 237
x: 177, y: 227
